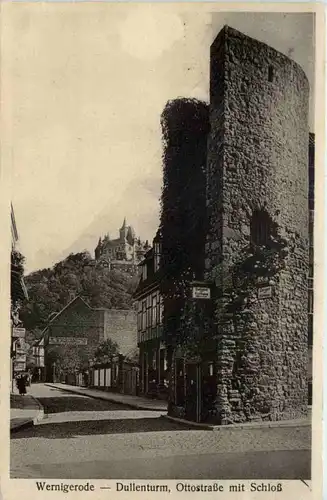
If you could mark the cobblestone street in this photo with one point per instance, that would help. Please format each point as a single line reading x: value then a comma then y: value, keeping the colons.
x: 81, y: 437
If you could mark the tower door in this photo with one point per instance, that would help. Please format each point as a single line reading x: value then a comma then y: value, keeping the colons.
x: 208, y: 390
x: 193, y: 392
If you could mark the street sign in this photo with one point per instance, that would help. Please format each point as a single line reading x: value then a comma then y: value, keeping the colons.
x: 201, y: 292
x: 18, y: 332
x: 67, y: 341
x: 265, y: 292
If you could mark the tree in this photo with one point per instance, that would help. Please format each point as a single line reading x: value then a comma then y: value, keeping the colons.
x: 17, y: 273
x: 107, y: 349
x: 67, y: 359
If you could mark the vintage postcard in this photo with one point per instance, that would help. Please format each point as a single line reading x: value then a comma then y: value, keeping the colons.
x: 162, y: 194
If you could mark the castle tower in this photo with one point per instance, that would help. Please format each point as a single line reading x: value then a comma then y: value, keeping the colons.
x: 123, y: 231
x: 130, y: 235
x: 257, y: 240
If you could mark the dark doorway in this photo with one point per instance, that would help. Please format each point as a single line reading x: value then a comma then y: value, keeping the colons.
x: 180, y: 382
x: 193, y: 392
x: 209, y: 385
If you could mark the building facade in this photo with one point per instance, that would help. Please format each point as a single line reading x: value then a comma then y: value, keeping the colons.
x: 153, y: 355
x: 120, y: 374
x: 38, y: 356
x: 123, y: 253
x: 72, y: 336
x: 18, y: 296
x: 251, y: 363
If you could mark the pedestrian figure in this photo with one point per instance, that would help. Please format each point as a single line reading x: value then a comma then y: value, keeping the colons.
x: 21, y: 385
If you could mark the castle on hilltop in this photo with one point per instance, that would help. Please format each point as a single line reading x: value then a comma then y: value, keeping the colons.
x: 123, y: 253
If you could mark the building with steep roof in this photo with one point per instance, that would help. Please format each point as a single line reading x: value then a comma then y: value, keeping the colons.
x: 123, y: 253
x: 72, y: 335
x: 153, y: 355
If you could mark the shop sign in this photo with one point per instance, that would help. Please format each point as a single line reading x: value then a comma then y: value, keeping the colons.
x: 265, y: 292
x: 67, y: 341
x: 20, y: 358
x: 19, y: 333
x: 20, y: 367
x: 201, y: 292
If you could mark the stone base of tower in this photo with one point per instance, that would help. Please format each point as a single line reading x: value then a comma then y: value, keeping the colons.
x: 208, y: 391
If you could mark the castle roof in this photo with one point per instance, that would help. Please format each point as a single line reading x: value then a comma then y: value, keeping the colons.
x: 130, y: 234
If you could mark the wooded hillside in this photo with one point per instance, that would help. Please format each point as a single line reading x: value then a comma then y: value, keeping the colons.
x: 51, y: 289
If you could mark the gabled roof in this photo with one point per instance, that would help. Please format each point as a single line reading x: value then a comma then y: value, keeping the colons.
x: 75, y: 299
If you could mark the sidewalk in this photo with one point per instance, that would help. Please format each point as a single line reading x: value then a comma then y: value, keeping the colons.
x: 25, y: 411
x: 132, y: 401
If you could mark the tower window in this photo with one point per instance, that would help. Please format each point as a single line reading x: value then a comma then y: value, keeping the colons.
x: 270, y: 74
x: 260, y: 228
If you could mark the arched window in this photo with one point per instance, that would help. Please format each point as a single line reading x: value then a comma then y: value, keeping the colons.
x: 260, y: 228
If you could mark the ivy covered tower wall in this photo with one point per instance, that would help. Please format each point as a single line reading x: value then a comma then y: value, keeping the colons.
x: 185, y: 126
x: 257, y: 239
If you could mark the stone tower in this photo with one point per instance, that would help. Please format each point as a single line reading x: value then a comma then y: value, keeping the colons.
x: 257, y: 241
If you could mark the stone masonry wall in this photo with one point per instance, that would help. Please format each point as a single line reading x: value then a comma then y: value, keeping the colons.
x: 258, y: 160
x: 121, y: 327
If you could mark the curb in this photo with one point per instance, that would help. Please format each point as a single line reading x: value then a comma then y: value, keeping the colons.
x: 196, y: 425
x: 30, y: 422
x: 23, y: 425
x: 99, y: 396
x: 40, y: 414
x: 258, y: 425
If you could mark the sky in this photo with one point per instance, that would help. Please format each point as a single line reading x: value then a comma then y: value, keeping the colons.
x: 84, y: 87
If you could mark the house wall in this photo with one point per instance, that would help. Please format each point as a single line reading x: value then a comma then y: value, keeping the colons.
x: 80, y: 322
x: 121, y: 327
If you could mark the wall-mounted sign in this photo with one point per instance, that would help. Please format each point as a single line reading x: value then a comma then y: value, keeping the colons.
x: 262, y: 280
x: 18, y: 333
x: 20, y: 358
x: 265, y: 292
x: 67, y: 341
x: 201, y: 292
x: 19, y: 367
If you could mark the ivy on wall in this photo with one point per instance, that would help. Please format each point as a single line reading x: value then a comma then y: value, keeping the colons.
x: 185, y: 127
